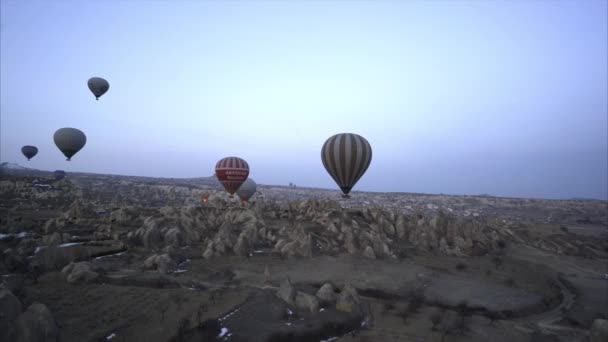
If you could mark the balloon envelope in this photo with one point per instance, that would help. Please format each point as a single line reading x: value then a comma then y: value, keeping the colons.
x: 69, y: 141
x: 98, y: 86
x: 246, y: 190
x: 232, y: 172
x: 29, y: 151
x: 346, y: 157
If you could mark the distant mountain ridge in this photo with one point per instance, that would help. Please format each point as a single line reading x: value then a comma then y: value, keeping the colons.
x: 13, y: 166
x: 14, y: 169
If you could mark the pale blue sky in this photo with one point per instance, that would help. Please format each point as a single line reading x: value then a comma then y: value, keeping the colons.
x: 461, y: 97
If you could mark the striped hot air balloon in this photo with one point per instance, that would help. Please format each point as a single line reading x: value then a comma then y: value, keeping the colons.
x: 232, y: 172
x: 346, y: 157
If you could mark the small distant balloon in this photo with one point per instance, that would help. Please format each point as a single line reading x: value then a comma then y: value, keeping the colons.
x: 29, y: 151
x: 232, y: 172
x: 346, y: 157
x: 246, y: 190
x: 98, y: 86
x: 69, y: 141
x: 205, y: 196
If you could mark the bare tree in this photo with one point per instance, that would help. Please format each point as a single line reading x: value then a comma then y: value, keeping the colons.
x: 436, y: 318
x: 497, y: 260
x: 162, y: 307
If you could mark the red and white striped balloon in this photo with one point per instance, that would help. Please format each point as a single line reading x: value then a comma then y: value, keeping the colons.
x: 232, y: 172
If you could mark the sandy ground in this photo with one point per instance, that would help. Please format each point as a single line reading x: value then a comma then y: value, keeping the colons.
x: 136, y: 306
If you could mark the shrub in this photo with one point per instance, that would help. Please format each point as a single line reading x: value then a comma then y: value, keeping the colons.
x: 162, y: 307
x: 493, y: 316
x: 404, y: 314
x: 182, y: 328
x: 416, y: 300
x: 461, y: 266
x: 564, y: 229
x: 435, y: 318
x: 210, y: 329
x: 464, y: 311
x: 497, y: 261
x: 389, y: 306
x: 510, y: 282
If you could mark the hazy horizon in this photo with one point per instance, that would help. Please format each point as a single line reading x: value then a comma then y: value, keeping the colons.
x: 464, y: 97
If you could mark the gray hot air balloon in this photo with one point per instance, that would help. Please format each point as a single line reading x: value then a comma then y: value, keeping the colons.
x: 69, y: 141
x: 246, y: 190
x: 346, y: 157
x: 29, y: 151
x: 98, y: 86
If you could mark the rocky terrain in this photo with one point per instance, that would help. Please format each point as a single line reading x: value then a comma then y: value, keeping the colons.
x: 100, y: 257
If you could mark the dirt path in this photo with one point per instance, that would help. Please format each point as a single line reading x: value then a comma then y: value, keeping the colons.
x: 548, y: 322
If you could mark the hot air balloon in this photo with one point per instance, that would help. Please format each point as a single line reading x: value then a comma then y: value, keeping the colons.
x: 29, y: 151
x: 246, y: 190
x: 231, y: 172
x: 98, y: 86
x: 69, y: 141
x: 205, y: 196
x: 346, y: 157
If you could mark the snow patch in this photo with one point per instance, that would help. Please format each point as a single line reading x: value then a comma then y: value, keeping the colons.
x: 229, y: 314
x: 183, y: 263
x: 330, y: 339
x: 289, y: 312
x: 70, y: 244
x: 110, y: 255
x: 223, y: 332
x: 13, y: 166
x: 364, y: 323
x: 180, y: 271
x: 321, y: 309
x: 111, y: 336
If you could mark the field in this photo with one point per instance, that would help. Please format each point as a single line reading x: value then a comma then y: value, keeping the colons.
x: 141, y: 259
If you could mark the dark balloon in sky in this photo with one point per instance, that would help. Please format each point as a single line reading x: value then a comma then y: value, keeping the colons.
x: 98, y: 86
x: 69, y: 141
x: 29, y: 151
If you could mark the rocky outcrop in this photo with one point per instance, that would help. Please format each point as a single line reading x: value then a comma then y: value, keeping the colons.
x: 52, y: 240
x: 306, y: 302
x: 79, y: 272
x: 10, y: 307
x: 287, y: 292
x: 326, y: 294
x: 55, y: 258
x: 348, y: 300
x: 369, y: 253
x: 162, y: 263
x: 37, y: 325
x: 599, y: 330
